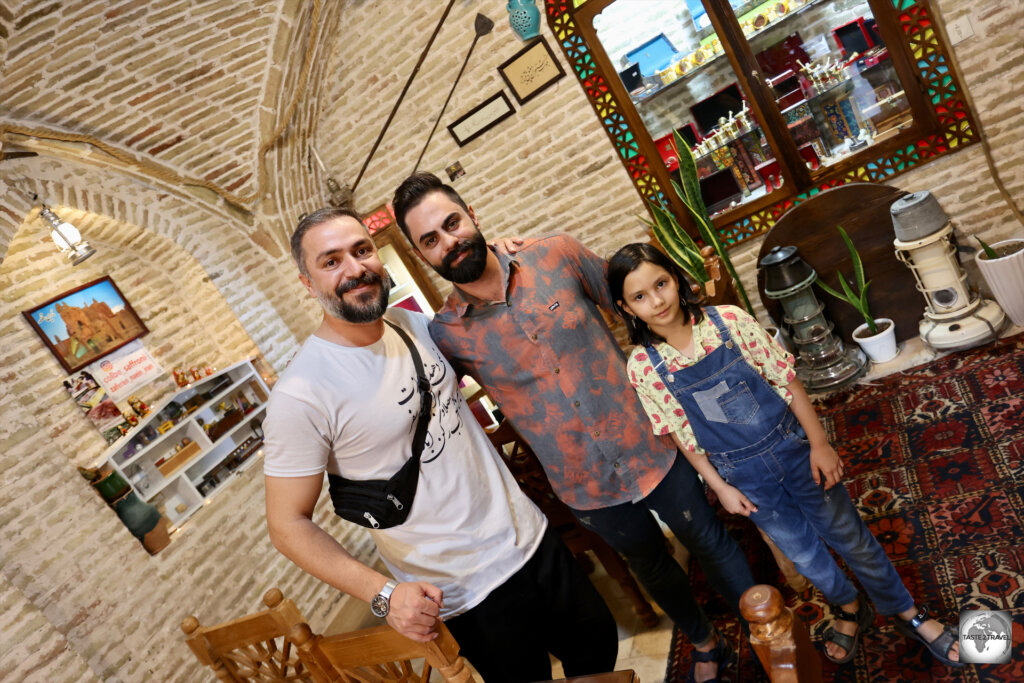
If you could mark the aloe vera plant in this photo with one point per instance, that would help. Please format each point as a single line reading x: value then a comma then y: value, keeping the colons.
x: 677, y: 242
x: 858, y: 298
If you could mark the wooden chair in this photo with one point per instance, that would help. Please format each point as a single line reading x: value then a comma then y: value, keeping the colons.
x: 252, y: 648
x: 378, y: 655
x: 529, y: 473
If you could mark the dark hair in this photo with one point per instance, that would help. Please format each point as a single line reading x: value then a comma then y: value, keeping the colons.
x: 625, y: 261
x: 412, y: 191
x: 311, y: 220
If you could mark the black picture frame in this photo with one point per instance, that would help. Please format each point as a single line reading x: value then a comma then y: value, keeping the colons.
x: 109, y: 318
x: 481, y: 118
x: 531, y: 71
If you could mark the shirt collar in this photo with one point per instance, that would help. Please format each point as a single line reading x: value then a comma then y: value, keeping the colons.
x: 462, y: 302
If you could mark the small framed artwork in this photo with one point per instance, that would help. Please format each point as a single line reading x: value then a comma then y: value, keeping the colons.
x: 481, y: 118
x: 454, y: 171
x: 86, y: 323
x: 531, y: 70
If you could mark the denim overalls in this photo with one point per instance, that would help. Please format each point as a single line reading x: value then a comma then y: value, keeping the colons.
x: 757, y: 445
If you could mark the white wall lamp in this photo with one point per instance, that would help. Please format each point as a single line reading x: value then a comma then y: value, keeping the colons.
x: 67, y: 238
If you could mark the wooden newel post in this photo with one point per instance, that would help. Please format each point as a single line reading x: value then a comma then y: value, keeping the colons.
x: 780, y: 641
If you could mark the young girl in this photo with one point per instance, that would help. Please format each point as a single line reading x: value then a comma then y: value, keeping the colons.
x: 728, y: 395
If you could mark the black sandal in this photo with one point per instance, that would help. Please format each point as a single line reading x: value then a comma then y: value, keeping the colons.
x: 864, y: 617
x: 719, y: 653
x: 942, y: 644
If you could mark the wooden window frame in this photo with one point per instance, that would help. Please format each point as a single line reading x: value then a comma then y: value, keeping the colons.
x: 942, y: 120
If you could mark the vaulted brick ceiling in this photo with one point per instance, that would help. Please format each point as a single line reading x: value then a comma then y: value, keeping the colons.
x: 181, y: 84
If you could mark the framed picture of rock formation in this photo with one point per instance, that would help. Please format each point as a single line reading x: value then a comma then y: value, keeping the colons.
x: 86, y: 323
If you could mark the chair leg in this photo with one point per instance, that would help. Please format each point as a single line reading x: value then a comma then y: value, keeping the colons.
x: 619, y: 570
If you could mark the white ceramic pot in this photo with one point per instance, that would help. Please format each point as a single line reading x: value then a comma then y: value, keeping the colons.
x: 881, y: 347
x: 1005, y: 277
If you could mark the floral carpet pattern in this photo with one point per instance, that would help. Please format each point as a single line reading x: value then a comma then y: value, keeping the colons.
x: 935, y: 463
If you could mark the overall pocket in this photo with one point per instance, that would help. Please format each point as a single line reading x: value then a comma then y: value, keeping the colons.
x: 727, y: 405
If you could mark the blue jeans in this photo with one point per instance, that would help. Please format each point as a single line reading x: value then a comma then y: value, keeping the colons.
x: 797, y: 514
x: 681, y: 503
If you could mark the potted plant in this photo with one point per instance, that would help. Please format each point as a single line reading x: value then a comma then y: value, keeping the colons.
x: 679, y: 245
x: 877, y: 336
x: 1002, y: 266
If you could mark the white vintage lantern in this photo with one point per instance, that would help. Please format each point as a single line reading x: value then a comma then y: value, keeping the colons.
x: 955, y: 316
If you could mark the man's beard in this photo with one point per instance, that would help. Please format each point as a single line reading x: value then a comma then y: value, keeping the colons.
x: 471, y: 267
x: 368, y: 306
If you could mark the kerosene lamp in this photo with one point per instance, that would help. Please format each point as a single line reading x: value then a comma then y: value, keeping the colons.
x: 822, y: 361
x: 956, y: 316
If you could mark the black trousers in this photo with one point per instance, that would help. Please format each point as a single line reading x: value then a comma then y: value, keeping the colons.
x: 548, y: 606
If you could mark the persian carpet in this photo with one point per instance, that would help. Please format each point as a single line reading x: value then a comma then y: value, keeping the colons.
x: 935, y: 464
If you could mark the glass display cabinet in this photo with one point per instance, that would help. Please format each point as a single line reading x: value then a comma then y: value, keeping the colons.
x: 777, y: 100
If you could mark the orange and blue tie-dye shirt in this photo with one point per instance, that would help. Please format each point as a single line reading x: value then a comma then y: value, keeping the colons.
x: 547, y: 357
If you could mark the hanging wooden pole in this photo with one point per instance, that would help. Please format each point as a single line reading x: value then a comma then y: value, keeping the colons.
x: 401, y: 96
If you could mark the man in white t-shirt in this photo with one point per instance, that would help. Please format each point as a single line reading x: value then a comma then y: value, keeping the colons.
x: 473, y: 551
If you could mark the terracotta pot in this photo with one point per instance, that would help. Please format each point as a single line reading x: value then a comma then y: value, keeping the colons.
x: 1005, y: 277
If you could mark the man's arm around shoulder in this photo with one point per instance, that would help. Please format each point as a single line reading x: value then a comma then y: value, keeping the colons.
x: 591, y: 269
x: 415, y: 606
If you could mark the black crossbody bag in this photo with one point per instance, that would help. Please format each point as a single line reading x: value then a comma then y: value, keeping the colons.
x: 384, y: 503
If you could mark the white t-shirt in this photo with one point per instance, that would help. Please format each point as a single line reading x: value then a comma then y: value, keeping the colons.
x: 351, y: 411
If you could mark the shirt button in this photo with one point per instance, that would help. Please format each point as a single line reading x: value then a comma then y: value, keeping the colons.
x: 728, y: 344
x: 597, y: 432
x: 533, y: 337
x: 617, y: 465
x: 557, y: 371
x: 576, y: 403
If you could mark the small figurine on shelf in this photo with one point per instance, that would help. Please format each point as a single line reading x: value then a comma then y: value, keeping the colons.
x: 209, y: 370
x: 194, y: 371
x: 140, y: 408
x: 179, y: 377
x: 131, y: 417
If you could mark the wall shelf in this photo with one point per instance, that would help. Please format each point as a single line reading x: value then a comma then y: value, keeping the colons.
x: 194, y: 411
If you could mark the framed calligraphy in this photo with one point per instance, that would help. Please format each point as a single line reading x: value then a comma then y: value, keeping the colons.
x: 531, y: 70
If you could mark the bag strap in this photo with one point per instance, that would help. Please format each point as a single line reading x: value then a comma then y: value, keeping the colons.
x: 423, y: 387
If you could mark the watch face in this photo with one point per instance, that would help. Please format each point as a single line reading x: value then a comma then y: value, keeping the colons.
x: 379, y: 606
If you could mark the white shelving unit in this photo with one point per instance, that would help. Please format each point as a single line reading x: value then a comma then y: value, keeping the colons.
x: 189, y: 446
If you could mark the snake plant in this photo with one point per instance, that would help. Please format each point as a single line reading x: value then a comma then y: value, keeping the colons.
x: 679, y: 245
x: 857, y: 298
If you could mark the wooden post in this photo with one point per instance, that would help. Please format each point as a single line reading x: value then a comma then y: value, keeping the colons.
x: 780, y: 641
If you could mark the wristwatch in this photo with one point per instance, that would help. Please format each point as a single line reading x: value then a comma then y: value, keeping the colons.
x: 381, y: 603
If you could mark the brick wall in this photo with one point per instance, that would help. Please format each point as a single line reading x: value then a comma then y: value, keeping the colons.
x: 83, y: 601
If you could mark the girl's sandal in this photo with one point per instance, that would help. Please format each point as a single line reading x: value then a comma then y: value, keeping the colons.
x: 719, y: 653
x: 942, y: 644
x: 864, y: 617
